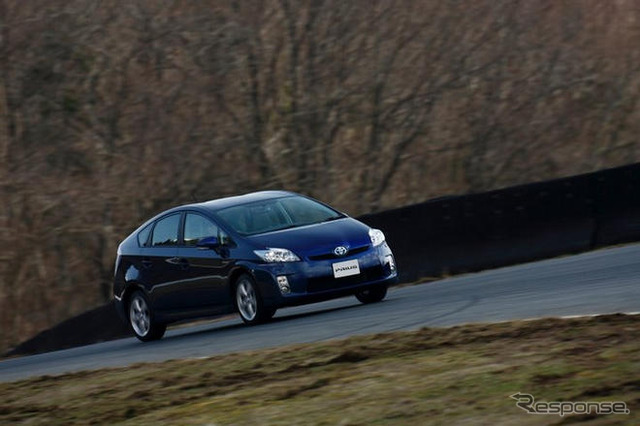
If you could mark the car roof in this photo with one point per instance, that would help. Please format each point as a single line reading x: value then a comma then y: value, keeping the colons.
x: 214, y: 205
x: 222, y: 203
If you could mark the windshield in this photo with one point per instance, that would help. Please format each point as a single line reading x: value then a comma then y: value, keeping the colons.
x: 276, y: 214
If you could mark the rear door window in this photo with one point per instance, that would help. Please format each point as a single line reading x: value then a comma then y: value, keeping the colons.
x: 196, y: 227
x: 165, y: 233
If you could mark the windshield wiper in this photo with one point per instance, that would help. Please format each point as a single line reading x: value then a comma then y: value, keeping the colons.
x: 332, y: 218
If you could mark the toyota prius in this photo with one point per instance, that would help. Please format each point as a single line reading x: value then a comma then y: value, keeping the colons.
x: 250, y: 254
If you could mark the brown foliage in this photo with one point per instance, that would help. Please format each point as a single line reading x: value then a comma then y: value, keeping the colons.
x: 111, y: 111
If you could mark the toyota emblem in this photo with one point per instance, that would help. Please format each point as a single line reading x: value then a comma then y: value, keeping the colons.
x: 340, y: 251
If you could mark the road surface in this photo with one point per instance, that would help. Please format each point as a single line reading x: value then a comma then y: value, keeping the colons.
x: 604, y: 281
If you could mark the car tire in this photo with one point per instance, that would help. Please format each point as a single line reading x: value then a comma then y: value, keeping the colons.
x: 141, y: 318
x: 372, y: 294
x: 249, y: 303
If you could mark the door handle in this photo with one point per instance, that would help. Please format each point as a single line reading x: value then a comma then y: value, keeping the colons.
x: 146, y: 262
x: 184, y: 263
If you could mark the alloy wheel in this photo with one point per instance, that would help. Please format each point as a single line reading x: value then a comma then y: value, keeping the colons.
x: 139, y: 316
x: 246, y: 300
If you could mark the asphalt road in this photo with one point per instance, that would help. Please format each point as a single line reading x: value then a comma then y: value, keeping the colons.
x: 604, y: 281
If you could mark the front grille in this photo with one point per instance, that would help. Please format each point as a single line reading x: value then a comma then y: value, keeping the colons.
x: 332, y: 256
x: 330, y: 283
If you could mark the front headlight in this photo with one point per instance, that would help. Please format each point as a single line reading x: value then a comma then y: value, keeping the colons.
x: 377, y: 237
x: 273, y: 255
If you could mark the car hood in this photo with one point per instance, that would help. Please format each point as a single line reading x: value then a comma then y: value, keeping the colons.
x: 317, y: 239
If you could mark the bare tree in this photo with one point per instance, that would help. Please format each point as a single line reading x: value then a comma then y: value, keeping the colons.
x: 111, y: 111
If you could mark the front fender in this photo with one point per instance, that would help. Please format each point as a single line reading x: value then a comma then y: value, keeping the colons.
x: 263, y: 276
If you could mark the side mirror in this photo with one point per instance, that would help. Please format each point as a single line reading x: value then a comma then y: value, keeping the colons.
x: 208, y: 243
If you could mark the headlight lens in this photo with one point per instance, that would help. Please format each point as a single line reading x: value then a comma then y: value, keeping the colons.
x: 273, y: 255
x: 377, y: 237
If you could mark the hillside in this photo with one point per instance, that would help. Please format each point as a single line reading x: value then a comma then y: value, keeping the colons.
x: 111, y: 111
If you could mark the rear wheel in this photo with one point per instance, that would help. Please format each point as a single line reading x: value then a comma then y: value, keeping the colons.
x: 372, y: 294
x: 249, y: 302
x: 141, y: 319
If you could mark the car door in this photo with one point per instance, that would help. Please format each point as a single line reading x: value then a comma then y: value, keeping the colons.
x: 159, y: 262
x: 205, y: 269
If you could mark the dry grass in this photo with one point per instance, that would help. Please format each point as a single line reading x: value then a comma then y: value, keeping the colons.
x: 462, y: 375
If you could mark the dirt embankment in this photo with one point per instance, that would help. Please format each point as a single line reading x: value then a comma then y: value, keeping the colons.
x: 453, y: 375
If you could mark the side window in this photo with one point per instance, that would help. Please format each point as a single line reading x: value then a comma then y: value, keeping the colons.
x: 165, y: 232
x: 143, y: 236
x: 197, y: 227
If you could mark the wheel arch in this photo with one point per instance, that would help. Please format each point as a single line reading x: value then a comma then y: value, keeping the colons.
x: 233, y: 278
x: 131, y: 288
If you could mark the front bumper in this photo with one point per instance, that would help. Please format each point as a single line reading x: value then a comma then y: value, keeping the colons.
x: 312, y: 280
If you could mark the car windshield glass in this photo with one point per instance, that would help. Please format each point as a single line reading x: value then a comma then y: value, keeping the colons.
x: 276, y: 214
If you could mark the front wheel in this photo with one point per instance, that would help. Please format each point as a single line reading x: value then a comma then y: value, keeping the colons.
x: 141, y: 319
x: 372, y: 294
x: 249, y: 302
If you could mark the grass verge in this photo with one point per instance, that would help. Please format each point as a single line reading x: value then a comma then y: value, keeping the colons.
x: 462, y: 374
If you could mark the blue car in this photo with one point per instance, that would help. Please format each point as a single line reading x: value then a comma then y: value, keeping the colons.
x: 250, y: 254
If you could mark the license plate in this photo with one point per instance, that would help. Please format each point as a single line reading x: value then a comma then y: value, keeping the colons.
x: 346, y: 268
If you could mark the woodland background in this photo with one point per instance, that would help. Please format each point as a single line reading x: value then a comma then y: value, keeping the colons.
x: 111, y: 111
